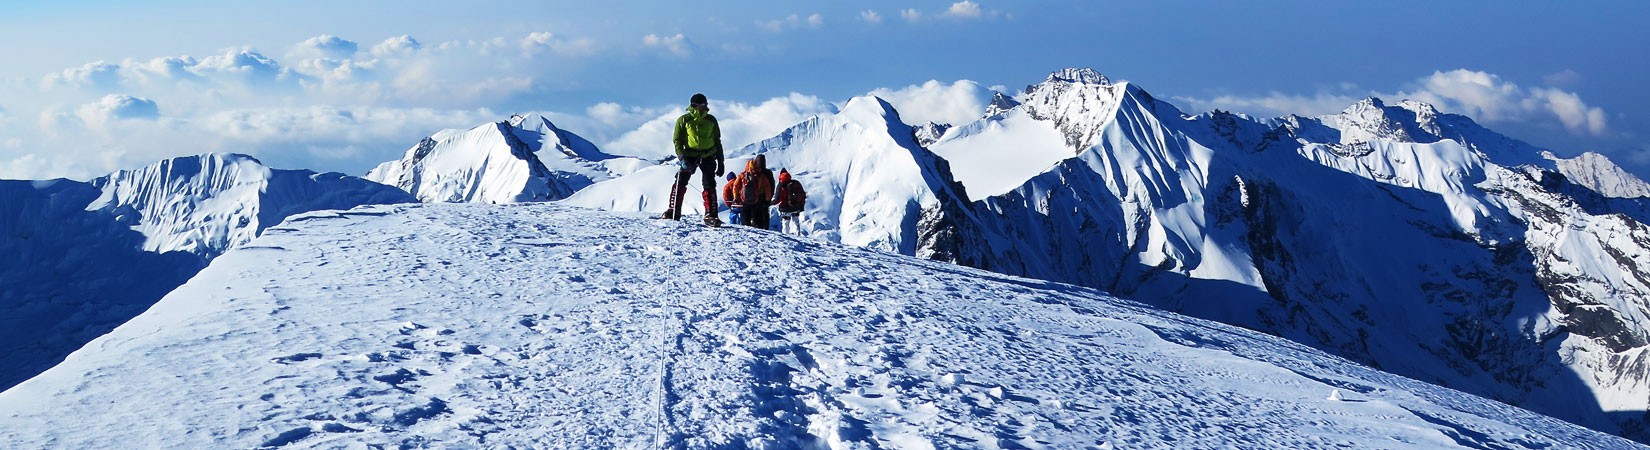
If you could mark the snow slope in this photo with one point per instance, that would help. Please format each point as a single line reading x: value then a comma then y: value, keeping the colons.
x: 523, y: 159
x: 544, y: 326
x: 78, y: 259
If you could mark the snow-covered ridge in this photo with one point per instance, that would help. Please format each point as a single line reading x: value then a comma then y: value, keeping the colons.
x: 1078, y: 101
x: 525, y: 158
x: 81, y: 258
x: 207, y: 204
x: 1078, y: 75
x: 1598, y: 173
x: 431, y: 339
x: 1371, y: 119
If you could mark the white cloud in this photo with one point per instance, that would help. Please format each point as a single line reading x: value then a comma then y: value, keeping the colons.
x: 1483, y: 96
x: 399, y: 46
x: 114, y: 107
x: 333, y: 70
x: 742, y: 124
x: 325, y: 46
x: 678, y: 45
x: 956, y: 103
x: 28, y: 166
x: 964, y: 9
x: 791, y: 22
x: 1275, y: 104
x: 1564, y: 77
x: 245, y: 63
x: 163, y: 68
x: 1574, y: 113
x: 98, y: 74
x: 618, y: 116
x: 539, y: 42
x: 870, y: 17
x: 124, y: 107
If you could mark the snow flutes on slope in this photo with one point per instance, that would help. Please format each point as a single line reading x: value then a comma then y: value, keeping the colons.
x: 81, y: 258
x: 433, y: 339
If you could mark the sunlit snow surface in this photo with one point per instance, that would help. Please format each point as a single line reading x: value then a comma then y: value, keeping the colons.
x: 545, y: 326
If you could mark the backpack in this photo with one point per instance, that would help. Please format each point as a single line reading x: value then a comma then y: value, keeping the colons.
x: 756, y: 187
x: 732, y: 193
x: 795, y: 198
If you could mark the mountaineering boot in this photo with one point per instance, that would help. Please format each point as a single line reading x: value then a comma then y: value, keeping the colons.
x: 712, y: 217
x: 675, y: 211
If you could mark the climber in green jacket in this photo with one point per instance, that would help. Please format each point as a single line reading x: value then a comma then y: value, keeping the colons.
x: 698, y: 143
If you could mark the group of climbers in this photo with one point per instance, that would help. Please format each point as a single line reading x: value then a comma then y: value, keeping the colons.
x: 748, y: 195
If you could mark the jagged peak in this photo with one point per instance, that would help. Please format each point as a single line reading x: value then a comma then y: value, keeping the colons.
x: 1000, y: 103
x: 1079, y: 75
x: 929, y: 133
x: 1372, y: 118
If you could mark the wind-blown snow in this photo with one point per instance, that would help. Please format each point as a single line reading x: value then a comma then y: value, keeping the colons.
x: 545, y: 326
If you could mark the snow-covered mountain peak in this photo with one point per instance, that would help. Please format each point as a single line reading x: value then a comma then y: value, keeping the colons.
x: 203, y: 204
x: 1078, y: 108
x: 869, y: 110
x: 1078, y: 75
x: 1597, y: 172
x: 929, y: 133
x: 1372, y: 119
x: 1000, y: 103
x: 524, y: 158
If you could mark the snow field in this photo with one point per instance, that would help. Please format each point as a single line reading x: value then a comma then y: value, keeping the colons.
x: 546, y: 326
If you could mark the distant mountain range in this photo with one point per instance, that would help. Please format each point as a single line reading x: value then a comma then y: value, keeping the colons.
x: 1395, y: 235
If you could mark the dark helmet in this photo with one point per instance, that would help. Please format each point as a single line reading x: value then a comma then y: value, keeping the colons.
x: 699, y: 100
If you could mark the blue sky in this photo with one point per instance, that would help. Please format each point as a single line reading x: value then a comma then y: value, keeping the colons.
x: 90, y: 87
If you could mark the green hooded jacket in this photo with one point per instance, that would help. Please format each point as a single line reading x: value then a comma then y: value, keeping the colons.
x: 697, y: 134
